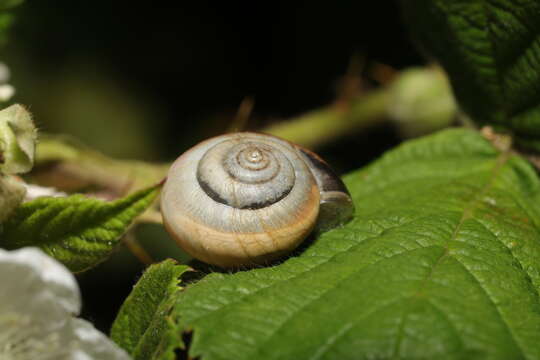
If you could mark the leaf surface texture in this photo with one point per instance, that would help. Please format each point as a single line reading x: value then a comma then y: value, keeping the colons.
x: 442, y: 261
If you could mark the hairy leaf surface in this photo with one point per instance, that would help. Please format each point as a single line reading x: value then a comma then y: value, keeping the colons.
x: 78, y: 231
x: 491, y: 51
x: 143, y: 326
x: 18, y: 137
x: 442, y: 261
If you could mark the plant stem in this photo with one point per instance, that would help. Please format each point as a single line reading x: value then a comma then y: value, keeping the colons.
x: 321, y: 126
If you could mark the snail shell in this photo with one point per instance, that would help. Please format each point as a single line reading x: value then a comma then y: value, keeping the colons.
x: 245, y: 198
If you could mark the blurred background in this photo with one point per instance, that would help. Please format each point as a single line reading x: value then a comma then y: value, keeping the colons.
x: 149, y: 81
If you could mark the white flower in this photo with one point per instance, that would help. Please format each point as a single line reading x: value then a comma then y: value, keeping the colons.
x: 36, y: 191
x: 38, y: 298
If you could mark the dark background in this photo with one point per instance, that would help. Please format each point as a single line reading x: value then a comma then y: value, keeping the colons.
x: 148, y: 81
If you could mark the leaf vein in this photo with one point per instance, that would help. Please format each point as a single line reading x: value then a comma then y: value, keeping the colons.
x: 467, y: 213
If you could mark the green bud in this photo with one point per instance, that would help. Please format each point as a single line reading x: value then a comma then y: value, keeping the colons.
x: 17, y: 140
x: 421, y: 101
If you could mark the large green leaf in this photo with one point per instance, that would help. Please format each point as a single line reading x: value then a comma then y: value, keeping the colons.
x: 143, y: 326
x: 442, y: 261
x: 491, y: 51
x: 78, y: 231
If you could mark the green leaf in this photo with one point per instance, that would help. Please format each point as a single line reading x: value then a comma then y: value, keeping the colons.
x: 442, y: 261
x: 143, y: 326
x: 78, y: 231
x: 17, y: 140
x: 491, y: 51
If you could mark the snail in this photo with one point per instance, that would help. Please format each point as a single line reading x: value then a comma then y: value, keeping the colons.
x: 245, y: 199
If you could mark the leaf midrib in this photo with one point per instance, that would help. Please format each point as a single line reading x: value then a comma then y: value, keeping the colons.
x: 502, y: 159
x: 78, y: 232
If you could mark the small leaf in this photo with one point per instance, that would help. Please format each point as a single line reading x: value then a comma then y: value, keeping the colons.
x: 491, y: 51
x: 17, y: 140
x: 143, y: 326
x: 78, y: 231
x: 442, y: 261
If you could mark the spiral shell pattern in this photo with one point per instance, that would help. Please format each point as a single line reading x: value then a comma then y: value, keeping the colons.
x: 248, y: 175
x: 240, y: 199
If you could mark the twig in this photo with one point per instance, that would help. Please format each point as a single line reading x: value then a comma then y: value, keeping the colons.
x: 324, y: 125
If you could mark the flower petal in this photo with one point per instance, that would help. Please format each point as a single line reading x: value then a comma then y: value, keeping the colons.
x: 37, y: 300
x: 94, y: 344
x: 41, y: 283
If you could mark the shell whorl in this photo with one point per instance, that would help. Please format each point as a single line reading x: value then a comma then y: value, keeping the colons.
x: 241, y: 198
x: 246, y: 175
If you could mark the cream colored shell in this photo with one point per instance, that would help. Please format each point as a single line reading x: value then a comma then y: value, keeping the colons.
x: 229, y: 232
